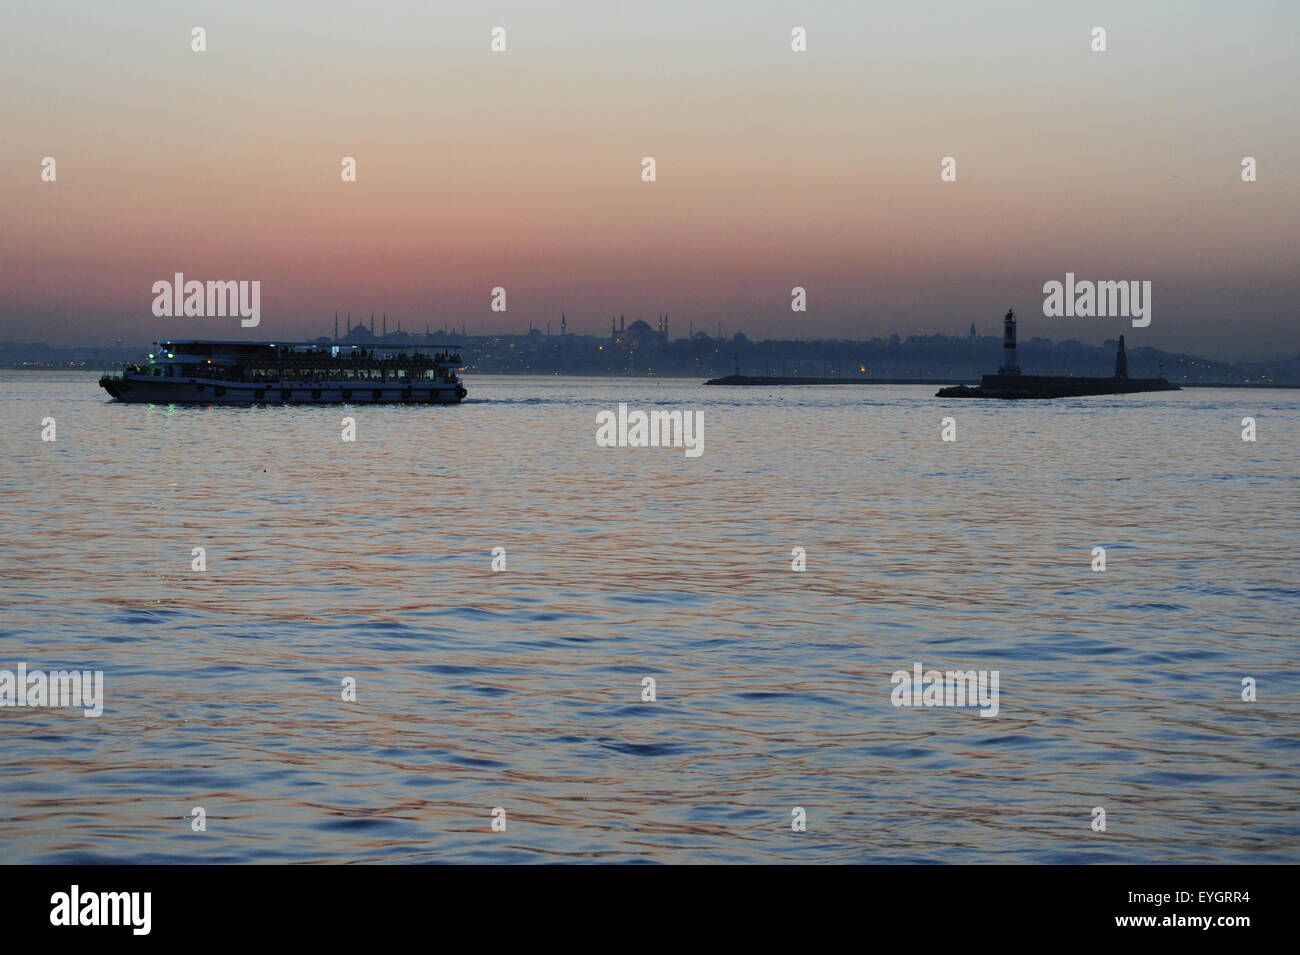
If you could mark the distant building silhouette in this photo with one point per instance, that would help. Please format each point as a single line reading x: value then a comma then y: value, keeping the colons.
x: 637, y: 335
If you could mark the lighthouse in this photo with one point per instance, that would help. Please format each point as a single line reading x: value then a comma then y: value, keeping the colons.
x: 1010, y: 383
x: 1009, y: 366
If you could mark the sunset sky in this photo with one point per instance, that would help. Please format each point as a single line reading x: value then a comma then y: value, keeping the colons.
x: 775, y: 168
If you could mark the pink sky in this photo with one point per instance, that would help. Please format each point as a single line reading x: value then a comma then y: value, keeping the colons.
x: 522, y: 169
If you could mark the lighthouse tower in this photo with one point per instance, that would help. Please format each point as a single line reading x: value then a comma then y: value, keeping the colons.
x: 1009, y: 366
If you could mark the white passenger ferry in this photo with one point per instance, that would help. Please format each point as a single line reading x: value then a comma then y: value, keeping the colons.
x: 243, y: 373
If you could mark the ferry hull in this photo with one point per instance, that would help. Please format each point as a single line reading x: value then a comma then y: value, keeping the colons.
x: 146, y: 390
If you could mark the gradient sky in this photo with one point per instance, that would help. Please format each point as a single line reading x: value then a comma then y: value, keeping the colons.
x: 775, y: 169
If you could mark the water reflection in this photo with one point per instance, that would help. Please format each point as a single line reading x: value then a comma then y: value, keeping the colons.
x: 521, y: 689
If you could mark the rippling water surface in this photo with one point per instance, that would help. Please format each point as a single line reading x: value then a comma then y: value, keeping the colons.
x: 522, y: 689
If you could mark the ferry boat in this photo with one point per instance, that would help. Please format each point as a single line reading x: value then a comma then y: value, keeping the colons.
x: 245, y: 373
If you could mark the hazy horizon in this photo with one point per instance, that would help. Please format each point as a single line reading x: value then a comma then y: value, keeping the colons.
x: 775, y: 169
x: 418, y: 333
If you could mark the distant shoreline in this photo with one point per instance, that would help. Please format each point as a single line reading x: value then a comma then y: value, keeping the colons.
x: 641, y: 352
x: 749, y: 382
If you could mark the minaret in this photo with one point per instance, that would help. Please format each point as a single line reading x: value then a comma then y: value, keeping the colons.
x: 613, y: 332
x: 372, y: 324
x: 665, y: 328
x: 336, y: 326
x: 564, y: 325
x: 1009, y: 366
x: 1121, y: 360
x: 385, y: 323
